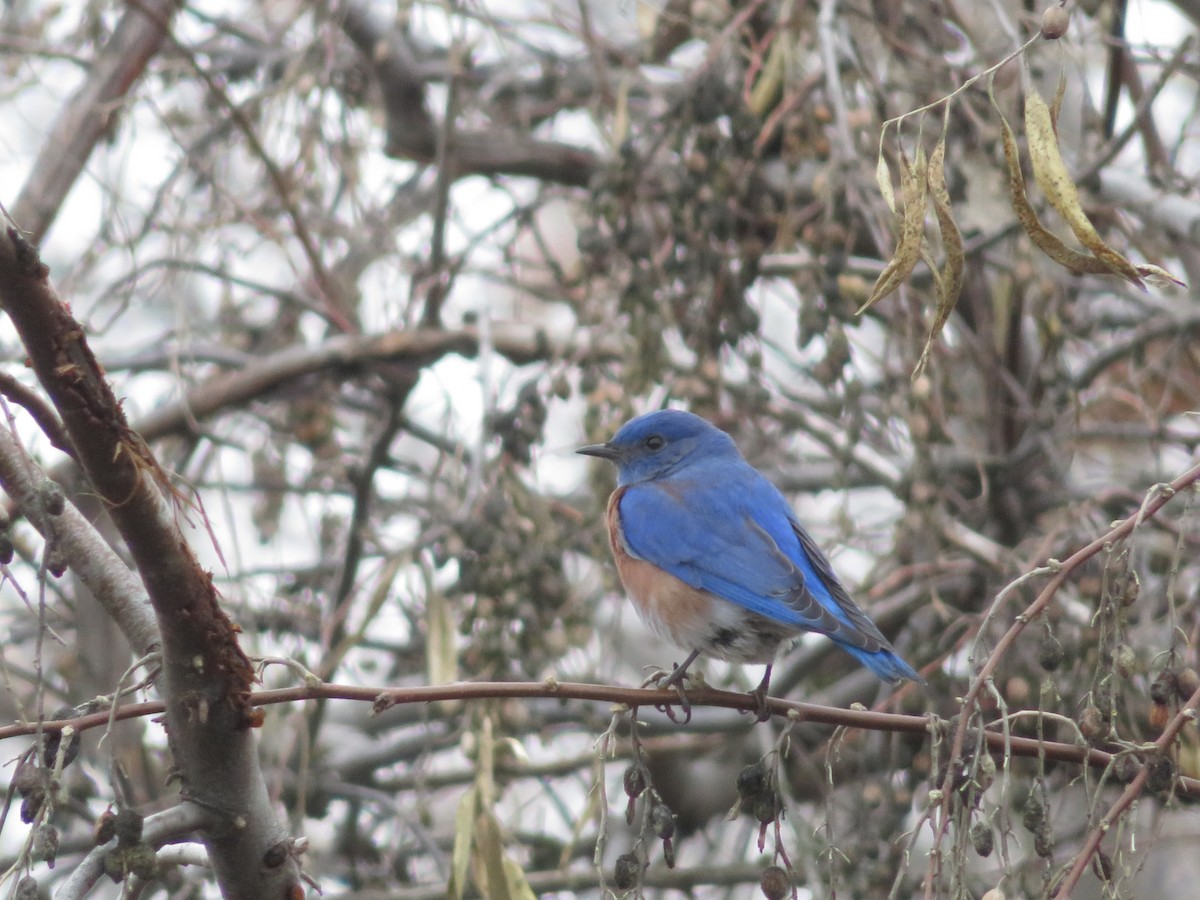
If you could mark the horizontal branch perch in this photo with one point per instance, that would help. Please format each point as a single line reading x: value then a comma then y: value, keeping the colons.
x: 383, y: 698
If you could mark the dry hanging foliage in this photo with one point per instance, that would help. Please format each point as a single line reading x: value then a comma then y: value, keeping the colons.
x: 921, y: 181
x: 1055, y: 182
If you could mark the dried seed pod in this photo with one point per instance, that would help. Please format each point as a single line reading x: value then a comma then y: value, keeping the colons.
x: 1187, y: 682
x: 1129, y: 590
x: 626, y: 872
x: 634, y: 780
x: 105, y: 828
x: 1054, y: 22
x: 752, y: 781
x: 985, y: 773
x: 766, y: 807
x: 1164, y: 687
x: 662, y: 821
x: 45, y: 844
x: 1125, y: 768
x: 1033, y: 815
x: 127, y: 825
x: 1103, y: 700
x: 27, y: 889
x: 1092, y: 725
x: 1158, y: 716
x: 54, y: 738
x: 53, y: 501
x: 982, y: 838
x: 114, y: 865
x: 28, y: 779
x: 1043, y: 841
x: 1050, y: 654
x: 55, y: 560
x: 31, y: 805
x: 142, y: 861
x: 1124, y: 660
x: 775, y: 883
x: 1162, y: 774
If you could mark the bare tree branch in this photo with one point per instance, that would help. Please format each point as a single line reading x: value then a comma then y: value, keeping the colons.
x: 98, y: 567
x: 412, y: 131
x: 91, y: 113
x: 206, y: 677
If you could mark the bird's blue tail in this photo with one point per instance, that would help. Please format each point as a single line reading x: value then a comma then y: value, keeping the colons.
x: 885, y: 663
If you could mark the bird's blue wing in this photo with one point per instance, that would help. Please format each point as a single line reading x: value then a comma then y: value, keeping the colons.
x: 730, y: 532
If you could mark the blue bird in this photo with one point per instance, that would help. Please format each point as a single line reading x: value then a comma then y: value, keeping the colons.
x: 713, y: 557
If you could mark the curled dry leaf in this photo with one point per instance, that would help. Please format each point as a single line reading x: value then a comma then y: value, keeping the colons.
x: 949, y: 279
x: 1160, y: 277
x: 1052, y: 177
x: 464, y: 835
x: 1044, y: 239
x: 913, y: 188
x: 883, y: 177
x: 765, y: 93
x: 442, y: 655
x: 1056, y: 104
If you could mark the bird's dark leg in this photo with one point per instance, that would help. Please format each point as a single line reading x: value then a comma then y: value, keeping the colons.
x: 760, y: 696
x: 674, y: 680
x: 677, y: 674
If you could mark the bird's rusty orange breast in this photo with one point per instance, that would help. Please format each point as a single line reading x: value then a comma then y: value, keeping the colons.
x: 675, y: 610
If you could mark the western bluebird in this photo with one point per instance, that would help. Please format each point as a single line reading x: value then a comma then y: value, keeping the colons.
x: 713, y: 557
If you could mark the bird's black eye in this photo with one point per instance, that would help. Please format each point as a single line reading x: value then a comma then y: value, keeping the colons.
x: 655, y: 442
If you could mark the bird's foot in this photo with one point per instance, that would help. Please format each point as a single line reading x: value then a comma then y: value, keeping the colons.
x: 664, y: 681
x: 759, y: 694
x: 673, y: 681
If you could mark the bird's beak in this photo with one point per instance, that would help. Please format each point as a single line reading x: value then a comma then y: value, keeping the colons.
x: 604, y: 451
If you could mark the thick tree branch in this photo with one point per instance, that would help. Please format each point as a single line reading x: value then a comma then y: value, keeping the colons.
x: 206, y: 678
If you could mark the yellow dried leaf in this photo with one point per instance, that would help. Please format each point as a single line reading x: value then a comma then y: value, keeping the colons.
x: 490, y: 846
x: 931, y: 264
x: 620, y: 121
x: 464, y: 832
x: 949, y: 279
x: 441, y: 657
x: 518, y: 884
x: 1160, y: 276
x: 1052, y: 177
x: 485, y: 763
x: 913, y: 188
x: 1044, y: 239
x: 883, y: 177
x: 765, y: 93
x: 1056, y: 104
x: 935, y: 176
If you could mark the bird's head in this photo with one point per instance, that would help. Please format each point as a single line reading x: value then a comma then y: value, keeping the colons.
x: 662, y: 443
